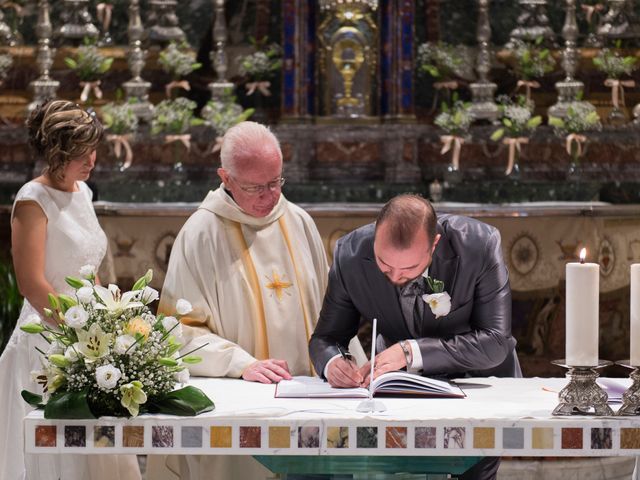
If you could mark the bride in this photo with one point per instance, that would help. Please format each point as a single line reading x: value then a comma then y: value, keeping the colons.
x: 54, y: 232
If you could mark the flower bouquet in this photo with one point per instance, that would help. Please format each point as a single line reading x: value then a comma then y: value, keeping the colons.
x: 223, y: 113
x: 121, y: 122
x: 532, y: 62
x: 174, y: 118
x: 615, y: 66
x: 89, y: 64
x: 109, y: 355
x: 177, y: 62
x: 455, y: 121
x: 517, y: 122
x: 258, y: 67
x: 581, y: 117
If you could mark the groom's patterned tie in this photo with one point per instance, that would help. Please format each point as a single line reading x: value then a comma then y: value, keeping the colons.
x: 413, y: 305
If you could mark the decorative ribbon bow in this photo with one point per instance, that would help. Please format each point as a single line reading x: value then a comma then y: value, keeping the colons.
x: 87, y: 87
x: 448, y: 85
x: 589, y: 10
x: 176, y: 84
x: 447, y: 142
x: 528, y: 85
x: 617, y: 90
x: 121, y: 142
x: 579, y: 139
x: 184, y: 138
x: 217, y: 146
x: 104, y: 12
x: 514, y: 144
x: 262, y: 87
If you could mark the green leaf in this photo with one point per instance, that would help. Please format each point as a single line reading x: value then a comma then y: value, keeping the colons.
x: 556, y: 122
x: 497, y: 135
x: 167, y: 362
x: 53, y: 301
x: 192, y: 359
x: 66, y: 302
x: 68, y: 405
x: 185, y: 402
x: 534, y: 122
x: 71, y: 63
x: 74, y: 282
x: 32, y: 399
x: 507, y: 123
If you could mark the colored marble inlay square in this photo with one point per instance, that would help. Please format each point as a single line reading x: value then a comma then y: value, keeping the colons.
x: 308, y: 437
x: 221, y: 437
x: 396, y: 437
x: 279, y: 437
x: 425, y: 437
x: 46, y: 436
x: 133, y: 437
x: 338, y: 437
x: 484, y: 437
x: 250, y: 437
x: 191, y: 437
x: 367, y: 437
x: 104, y: 436
x: 542, y: 438
x: 572, y: 439
x: 601, y: 439
x: 162, y: 436
x: 630, y: 438
x: 513, y: 438
x: 75, y: 436
x: 454, y: 437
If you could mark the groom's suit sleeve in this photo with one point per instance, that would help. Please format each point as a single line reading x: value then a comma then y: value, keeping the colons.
x: 339, y: 318
x: 488, y: 341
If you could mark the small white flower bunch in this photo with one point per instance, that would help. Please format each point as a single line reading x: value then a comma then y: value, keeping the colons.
x: 110, y: 354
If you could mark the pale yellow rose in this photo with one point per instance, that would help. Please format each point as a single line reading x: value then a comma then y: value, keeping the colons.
x: 138, y: 326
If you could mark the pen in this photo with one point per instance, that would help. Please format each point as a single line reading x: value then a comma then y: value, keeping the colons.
x: 345, y: 355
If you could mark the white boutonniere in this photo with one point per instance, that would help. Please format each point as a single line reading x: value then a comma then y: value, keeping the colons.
x: 439, y: 301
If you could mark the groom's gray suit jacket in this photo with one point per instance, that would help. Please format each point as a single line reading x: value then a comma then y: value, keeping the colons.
x: 473, y: 339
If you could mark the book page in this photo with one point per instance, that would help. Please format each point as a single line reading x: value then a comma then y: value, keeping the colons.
x: 403, y: 382
x: 314, y: 387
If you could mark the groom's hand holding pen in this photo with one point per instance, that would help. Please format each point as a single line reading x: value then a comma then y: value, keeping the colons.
x: 342, y: 371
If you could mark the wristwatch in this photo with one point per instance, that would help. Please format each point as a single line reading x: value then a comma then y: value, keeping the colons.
x: 406, y: 349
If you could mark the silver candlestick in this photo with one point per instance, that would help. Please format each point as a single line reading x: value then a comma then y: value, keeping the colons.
x: 137, y: 88
x: 616, y: 23
x: 483, y: 106
x: 569, y: 89
x: 6, y: 35
x: 78, y: 23
x: 631, y: 397
x: 533, y: 22
x: 44, y: 87
x: 582, y: 395
x: 164, y: 22
x: 221, y: 87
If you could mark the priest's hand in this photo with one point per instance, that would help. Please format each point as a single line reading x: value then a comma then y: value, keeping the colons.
x: 343, y: 373
x: 267, y: 371
x: 389, y: 360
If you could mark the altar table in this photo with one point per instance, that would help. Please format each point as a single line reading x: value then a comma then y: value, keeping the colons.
x: 499, y: 417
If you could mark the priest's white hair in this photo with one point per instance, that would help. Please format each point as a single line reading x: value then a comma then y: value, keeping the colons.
x: 246, y: 140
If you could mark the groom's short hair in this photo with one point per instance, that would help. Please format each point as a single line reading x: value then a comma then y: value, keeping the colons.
x: 404, y: 216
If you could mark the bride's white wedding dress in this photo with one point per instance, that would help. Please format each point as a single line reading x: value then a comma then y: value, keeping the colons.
x: 74, y: 239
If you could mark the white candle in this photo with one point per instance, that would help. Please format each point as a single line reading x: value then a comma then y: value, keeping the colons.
x: 635, y: 314
x: 583, y: 285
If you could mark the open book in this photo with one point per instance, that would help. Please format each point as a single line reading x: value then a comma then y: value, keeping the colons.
x: 392, y: 383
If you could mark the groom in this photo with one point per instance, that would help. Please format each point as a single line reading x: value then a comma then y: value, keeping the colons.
x: 388, y: 270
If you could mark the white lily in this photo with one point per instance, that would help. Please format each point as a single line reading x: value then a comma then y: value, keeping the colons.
x: 93, y: 344
x: 114, y: 301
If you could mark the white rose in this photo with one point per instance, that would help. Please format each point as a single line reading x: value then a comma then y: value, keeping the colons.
x: 76, y: 317
x: 123, y: 343
x: 85, y: 294
x: 173, y: 325
x: 88, y: 271
x: 149, y: 295
x: 86, y: 283
x: 107, y: 376
x: 72, y: 354
x: 440, y: 303
x: 183, y: 306
x: 182, y: 376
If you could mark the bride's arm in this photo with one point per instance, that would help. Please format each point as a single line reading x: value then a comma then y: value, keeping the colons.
x: 28, y: 237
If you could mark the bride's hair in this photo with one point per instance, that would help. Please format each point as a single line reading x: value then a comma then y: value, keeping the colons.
x: 60, y: 130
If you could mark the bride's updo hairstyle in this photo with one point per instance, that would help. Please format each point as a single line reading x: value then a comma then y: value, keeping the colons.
x: 60, y: 130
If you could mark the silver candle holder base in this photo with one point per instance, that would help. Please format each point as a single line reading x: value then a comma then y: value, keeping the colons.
x: 631, y: 397
x: 582, y: 396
